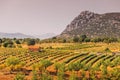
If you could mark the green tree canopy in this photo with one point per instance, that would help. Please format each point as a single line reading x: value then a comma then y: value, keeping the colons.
x: 31, y: 42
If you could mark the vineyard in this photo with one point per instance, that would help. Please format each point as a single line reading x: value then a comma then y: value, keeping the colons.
x: 56, y: 62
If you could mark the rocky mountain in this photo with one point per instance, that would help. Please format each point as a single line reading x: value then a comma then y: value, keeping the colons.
x: 14, y: 35
x: 94, y: 25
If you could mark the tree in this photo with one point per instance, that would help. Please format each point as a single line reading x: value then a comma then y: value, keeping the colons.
x: 96, y: 40
x: 64, y: 41
x: 37, y: 40
x: 76, y: 39
x: 17, y: 42
x: 30, y: 42
x: 107, y: 40
x: 83, y: 37
x: 3, y: 40
x: 87, y: 40
x: 0, y: 41
x: 5, y: 44
x: 8, y: 43
x: 54, y: 38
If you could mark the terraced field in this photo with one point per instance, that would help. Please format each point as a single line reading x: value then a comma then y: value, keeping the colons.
x: 74, y: 58
x: 31, y: 58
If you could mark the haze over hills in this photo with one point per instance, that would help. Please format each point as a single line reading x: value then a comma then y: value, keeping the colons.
x: 14, y: 35
x: 45, y: 36
x: 21, y: 35
x: 94, y: 25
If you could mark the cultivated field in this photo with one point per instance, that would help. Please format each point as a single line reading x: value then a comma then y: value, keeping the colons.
x: 61, y: 61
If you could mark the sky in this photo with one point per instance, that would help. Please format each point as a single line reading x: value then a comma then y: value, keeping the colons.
x: 37, y: 17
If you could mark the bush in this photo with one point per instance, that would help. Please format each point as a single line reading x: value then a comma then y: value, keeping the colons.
x: 14, y: 63
x: 34, y: 76
x: 20, y: 76
x: 60, y: 69
x: 45, y: 76
x: 42, y: 65
x: 45, y: 63
x: 73, y: 77
x: 107, y: 50
x: 76, y: 39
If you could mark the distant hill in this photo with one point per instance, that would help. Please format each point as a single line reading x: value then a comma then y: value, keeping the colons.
x: 14, y: 35
x: 20, y: 35
x: 45, y: 36
x: 94, y: 25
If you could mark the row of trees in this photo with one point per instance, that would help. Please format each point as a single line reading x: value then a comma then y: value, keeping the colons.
x: 6, y: 42
x: 84, y: 38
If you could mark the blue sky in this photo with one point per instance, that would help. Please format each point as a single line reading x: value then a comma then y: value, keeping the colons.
x: 47, y: 16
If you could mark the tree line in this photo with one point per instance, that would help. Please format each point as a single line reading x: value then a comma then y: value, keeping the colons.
x: 84, y: 38
x: 12, y: 43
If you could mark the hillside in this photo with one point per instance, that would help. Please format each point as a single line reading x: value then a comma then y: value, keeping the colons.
x: 94, y: 25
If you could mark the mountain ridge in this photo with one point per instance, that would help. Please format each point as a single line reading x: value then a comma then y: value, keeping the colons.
x: 21, y: 35
x: 14, y: 35
x: 93, y: 25
x: 46, y: 35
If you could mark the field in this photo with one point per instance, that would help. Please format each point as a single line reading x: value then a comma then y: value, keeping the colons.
x: 69, y: 59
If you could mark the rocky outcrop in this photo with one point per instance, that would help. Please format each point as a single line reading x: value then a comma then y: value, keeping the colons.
x: 94, y: 25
